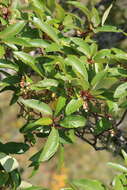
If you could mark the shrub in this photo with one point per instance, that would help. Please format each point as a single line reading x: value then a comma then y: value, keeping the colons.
x: 64, y: 84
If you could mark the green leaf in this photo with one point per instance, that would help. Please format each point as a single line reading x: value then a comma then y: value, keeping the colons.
x: 60, y: 157
x: 121, y: 90
x: 117, y: 183
x: 8, y: 163
x: 82, y: 7
x: 113, y: 107
x: 3, y: 178
x: 102, y: 55
x: 73, y: 121
x: 83, y: 46
x: 2, y: 51
x: 98, y: 79
x: 38, y: 43
x: 27, y: 42
x: 44, y: 121
x: 68, y: 21
x: 46, y: 28
x: 95, y: 19
x: 15, y: 177
x: 125, y: 156
x: 51, y: 146
x: 73, y: 106
x: 119, y: 54
x: 118, y: 167
x: 93, y: 49
x: 60, y: 104
x: 37, y: 4
x: 14, y: 79
x: 46, y: 83
x: 87, y: 184
x: 33, y: 125
x: 37, y: 105
x: 107, y: 83
x: 8, y: 64
x: 59, y: 12
x: 107, y: 28
x: 102, y: 125
x: 78, y: 67
x: 14, y: 148
x: 105, y: 15
x: 28, y: 60
x: 51, y: 4
x: 82, y: 83
x: 17, y: 41
x: 12, y: 30
x: 53, y: 47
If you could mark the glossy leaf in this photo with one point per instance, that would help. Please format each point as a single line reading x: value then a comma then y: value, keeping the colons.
x: 26, y: 42
x: 118, y: 167
x: 82, y: 7
x: 15, y: 177
x: 102, y: 125
x: 83, y: 46
x: 46, y: 83
x: 3, y: 178
x: 37, y: 105
x: 8, y: 64
x: 78, y: 66
x: 38, y: 43
x: 73, y: 121
x: 88, y: 184
x: 125, y: 156
x: 45, y: 121
x: 107, y: 28
x: 37, y: 4
x: 98, y: 79
x: 121, y: 90
x: 51, y: 146
x: 9, y: 164
x: 117, y: 184
x: 12, y: 30
x: 73, y: 106
x: 59, y: 12
x: 95, y: 19
x: 17, y: 41
x: 51, y: 4
x: 28, y: 60
x: 46, y: 28
x: 60, y: 104
x: 13, y: 79
x: 2, y: 51
x: 106, y: 13
x: 14, y: 148
x: 119, y: 54
x: 93, y: 49
x: 102, y: 55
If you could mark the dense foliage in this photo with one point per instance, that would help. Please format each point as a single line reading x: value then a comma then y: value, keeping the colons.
x: 64, y: 84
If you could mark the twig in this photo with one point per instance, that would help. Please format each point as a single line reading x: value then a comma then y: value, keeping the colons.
x: 122, y: 118
x: 78, y: 134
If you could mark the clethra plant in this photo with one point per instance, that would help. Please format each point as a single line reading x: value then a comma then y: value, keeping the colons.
x: 64, y: 84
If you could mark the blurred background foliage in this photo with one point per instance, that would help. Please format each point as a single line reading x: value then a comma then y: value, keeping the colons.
x: 81, y: 161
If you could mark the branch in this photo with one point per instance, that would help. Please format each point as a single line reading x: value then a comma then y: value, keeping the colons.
x: 90, y: 143
x: 122, y: 118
